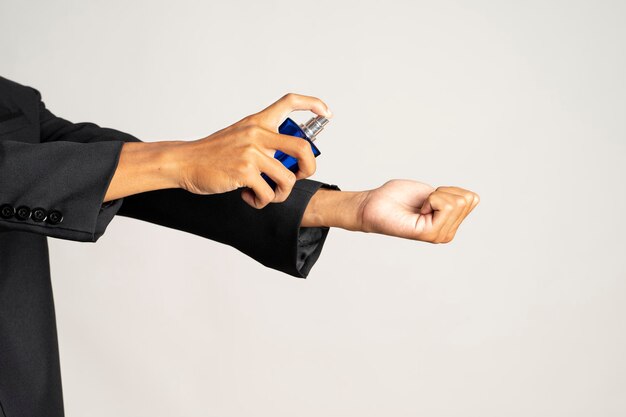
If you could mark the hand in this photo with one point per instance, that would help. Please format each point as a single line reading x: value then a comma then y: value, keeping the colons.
x: 415, y: 210
x: 236, y: 156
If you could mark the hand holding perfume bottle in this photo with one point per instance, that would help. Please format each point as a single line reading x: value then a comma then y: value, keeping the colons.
x: 307, y: 131
x: 236, y: 156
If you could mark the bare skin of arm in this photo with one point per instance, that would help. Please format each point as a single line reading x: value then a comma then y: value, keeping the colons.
x: 234, y: 157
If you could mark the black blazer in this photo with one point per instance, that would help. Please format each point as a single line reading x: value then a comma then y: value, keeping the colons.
x: 54, y: 175
x: 53, y: 178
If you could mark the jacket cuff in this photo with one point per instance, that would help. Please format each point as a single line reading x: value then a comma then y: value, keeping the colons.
x: 65, y: 178
x: 310, y: 240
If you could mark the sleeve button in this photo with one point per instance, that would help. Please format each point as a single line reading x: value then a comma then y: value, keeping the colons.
x: 39, y: 214
x: 55, y: 217
x: 7, y: 211
x: 22, y: 213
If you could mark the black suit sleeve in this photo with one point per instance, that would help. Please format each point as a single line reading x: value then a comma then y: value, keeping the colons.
x: 56, y: 188
x: 272, y: 235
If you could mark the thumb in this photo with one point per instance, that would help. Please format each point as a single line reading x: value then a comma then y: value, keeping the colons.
x: 427, y: 207
x: 274, y: 114
x: 437, y: 203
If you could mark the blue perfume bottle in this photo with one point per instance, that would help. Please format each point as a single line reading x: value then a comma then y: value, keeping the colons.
x: 307, y: 131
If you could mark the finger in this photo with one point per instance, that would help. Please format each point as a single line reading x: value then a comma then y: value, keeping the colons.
x: 475, y: 201
x: 446, y: 211
x: 453, y: 201
x: 469, y: 200
x: 435, y: 205
x: 427, y: 207
x: 259, y: 194
x: 284, y: 178
x: 297, y: 147
x: 461, y: 213
x: 470, y: 197
x: 425, y: 219
x: 273, y: 115
x: 463, y: 199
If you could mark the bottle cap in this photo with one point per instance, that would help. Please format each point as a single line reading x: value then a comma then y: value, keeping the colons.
x: 314, y: 126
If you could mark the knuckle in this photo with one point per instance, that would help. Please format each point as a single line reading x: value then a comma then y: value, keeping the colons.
x: 291, y: 179
x: 289, y: 97
x: 448, y: 206
x: 245, y: 167
x: 304, y: 147
x: 281, y: 197
x: 246, y: 120
x: 307, y: 170
x: 251, y: 151
x: 431, y: 237
x: 285, y: 184
x: 251, y: 120
x: 267, y: 198
x: 253, y: 131
x: 460, y: 202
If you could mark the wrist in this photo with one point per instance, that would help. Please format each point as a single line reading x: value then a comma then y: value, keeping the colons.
x: 334, y: 208
x: 145, y: 166
x: 159, y: 162
x: 172, y: 159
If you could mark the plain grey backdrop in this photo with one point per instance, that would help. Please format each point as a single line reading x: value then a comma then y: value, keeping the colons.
x: 521, y: 315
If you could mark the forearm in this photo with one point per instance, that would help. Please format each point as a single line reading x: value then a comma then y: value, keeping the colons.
x: 334, y: 208
x: 145, y: 166
x: 150, y: 166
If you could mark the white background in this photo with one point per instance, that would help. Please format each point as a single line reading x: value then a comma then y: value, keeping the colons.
x: 521, y: 315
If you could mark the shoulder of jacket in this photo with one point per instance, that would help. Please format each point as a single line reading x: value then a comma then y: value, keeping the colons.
x: 8, y: 86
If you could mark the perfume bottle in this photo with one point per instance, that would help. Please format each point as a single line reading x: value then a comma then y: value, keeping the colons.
x: 307, y: 131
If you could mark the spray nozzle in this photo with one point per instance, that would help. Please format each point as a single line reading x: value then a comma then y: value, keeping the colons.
x: 314, y: 126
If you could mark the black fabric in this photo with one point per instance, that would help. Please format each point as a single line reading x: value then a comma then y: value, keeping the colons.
x: 279, y: 244
x: 49, y: 164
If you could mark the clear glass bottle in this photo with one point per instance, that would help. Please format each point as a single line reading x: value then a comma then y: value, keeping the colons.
x: 307, y: 131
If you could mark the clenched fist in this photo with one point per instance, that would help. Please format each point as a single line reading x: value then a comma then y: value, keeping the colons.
x: 235, y: 156
x: 414, y: 210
